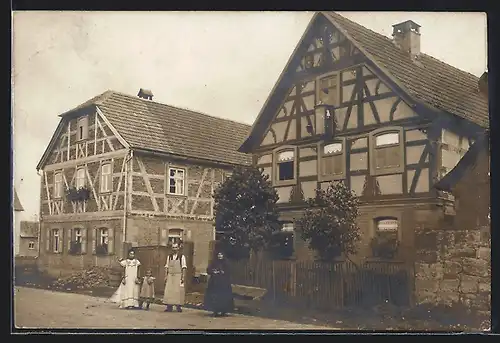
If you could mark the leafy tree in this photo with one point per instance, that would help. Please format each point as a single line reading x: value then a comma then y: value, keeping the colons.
x: 329, y: 223
x: 245, y: 210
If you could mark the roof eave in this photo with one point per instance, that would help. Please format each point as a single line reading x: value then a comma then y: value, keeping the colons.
x: 77, y: 111
x: 53, y: 140
x: 183, y: 158
x: 248, y: 143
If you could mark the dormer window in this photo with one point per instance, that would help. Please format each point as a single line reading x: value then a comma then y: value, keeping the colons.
x: 82, y: 128
x: 387, y: 151
x: 285, y: 166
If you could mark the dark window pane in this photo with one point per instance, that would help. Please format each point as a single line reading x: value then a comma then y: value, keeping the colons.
x: 286, y: 171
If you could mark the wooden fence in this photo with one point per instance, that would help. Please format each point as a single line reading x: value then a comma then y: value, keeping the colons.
x: 327, y: 285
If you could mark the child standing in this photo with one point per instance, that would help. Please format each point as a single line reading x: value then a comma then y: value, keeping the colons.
x: 148, y: 289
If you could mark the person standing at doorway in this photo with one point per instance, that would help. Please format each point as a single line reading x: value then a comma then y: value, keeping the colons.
x: 175, y: 276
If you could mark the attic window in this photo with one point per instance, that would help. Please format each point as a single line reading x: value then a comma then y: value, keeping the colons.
x: 82, y: 128
x: 328, y: 90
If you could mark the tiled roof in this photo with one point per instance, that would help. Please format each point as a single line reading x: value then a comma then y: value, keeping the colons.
x: 29, y: 229
x: 149, y: 125
x: 429, y: 80
x: 17, y: 203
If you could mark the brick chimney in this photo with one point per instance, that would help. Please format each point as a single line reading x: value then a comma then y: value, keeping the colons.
x: 483, y: 84
x: 145, y: 94
x: 407, y: 37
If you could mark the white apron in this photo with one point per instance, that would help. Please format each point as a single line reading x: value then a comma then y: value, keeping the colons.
x: 174, y: 290
x: 129, y: 293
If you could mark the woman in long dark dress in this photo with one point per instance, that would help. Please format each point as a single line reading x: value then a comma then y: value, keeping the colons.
x: 219, y: 293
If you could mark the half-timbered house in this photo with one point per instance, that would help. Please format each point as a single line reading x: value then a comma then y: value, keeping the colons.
x: 469, y: 180
x: 355, y: 106
x: 148, y: 172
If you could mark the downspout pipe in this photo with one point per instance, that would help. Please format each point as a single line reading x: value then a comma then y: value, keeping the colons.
x: 129, y: 158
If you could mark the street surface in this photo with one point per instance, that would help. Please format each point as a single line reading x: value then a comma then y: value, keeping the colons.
x: 37, y: 308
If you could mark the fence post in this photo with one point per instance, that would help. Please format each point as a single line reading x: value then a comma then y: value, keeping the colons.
x: 274, y: 281
x: 293, y: 278
x: 342, y: 278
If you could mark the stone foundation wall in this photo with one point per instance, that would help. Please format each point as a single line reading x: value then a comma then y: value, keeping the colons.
x: 454, y: 268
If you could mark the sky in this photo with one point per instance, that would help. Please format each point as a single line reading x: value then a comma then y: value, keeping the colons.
x: 220, y: 63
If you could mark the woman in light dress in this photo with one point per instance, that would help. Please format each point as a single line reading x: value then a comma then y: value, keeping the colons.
x: 127, y: 295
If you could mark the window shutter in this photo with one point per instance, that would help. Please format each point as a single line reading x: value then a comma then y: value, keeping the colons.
x: 94, y: 241
x: 84, y: 241
x: 47, y: 239
x: 164, y: 237
x: 380, y: 158
x: 111, y: 241
x: 70, y: 236
x: 338, y: 164
x: 393, y: 156
x: 332, y: 165
x: 61, y: 241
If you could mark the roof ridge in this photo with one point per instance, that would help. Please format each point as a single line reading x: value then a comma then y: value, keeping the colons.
x: 178, y: 108
x: 392, y: 41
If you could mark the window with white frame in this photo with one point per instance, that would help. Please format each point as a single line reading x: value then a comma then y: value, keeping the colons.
x: 285, y: 165
x: 31, y: 245
x: 387, y: 153
x: 106, y: 178
x: 80, y: 178
x: 176, y: 181
x: 332, y: 161
x: 386, y: 225
x: 78, y: 235
x: 76, y: 239
x: 56, y: 243
x: 174, y: 236
x: 386, y: 239
x: 82, y: 128
x: 104, y: 237
x: 58, y: 186
x: 102, y: 241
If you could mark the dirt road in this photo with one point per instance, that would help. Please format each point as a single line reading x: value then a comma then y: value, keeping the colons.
x: 36, y: 308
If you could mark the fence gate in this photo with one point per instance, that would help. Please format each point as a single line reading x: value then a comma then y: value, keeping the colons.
x: 154, y: 257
